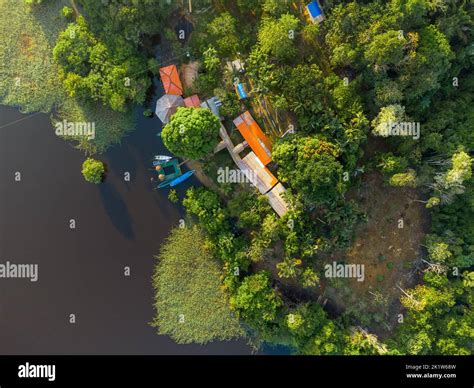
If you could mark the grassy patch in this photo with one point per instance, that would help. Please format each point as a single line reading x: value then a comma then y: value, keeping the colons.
x: 29, y: 76
x: 190, y: 303
x: 110, y: 125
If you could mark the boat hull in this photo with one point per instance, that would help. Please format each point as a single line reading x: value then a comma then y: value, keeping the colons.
x: 182, y: 178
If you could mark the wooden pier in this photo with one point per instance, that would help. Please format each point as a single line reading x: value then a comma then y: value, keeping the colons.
x: 261, y: 177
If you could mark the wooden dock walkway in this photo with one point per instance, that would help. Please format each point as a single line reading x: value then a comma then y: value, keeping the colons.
x: 261, y: 178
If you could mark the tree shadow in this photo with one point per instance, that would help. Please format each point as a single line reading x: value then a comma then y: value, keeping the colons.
x: 117, y: 210
x: 144, y: 142
x: 120, y: 161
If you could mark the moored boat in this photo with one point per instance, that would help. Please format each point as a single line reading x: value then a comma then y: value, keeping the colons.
x: 181, y: 178
x: 163, y: 158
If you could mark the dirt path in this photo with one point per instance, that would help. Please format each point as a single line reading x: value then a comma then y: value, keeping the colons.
x: 75, y: 7
x: 203, y: 178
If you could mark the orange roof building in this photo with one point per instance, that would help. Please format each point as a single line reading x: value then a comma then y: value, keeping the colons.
x: 254, y: 136
x: 192, y: 101
x: 170, y: 79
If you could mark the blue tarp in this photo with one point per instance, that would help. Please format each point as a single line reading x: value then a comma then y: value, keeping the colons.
x: 241, y: 91
x: 314, y: 9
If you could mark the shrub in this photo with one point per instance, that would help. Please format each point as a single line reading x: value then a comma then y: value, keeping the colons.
x: 93, y: 170
x: 67, y: 12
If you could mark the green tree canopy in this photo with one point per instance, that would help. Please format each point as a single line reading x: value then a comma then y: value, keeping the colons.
x: 326, y: 341
x: 439, y: 320
x: 310, y: 165
x: 256, y: 301
x: 90, y: 69
x: 388, y: 116
x: 391, y: 164
x: 403, y: 179
x: 460, y: 170
x: 191, y: 133
x: 304, y: 90
x: 386, y: 49
x: 223, y: 32
x: 277, y: 37
x: 124, y: 22
x: 205, y: 204
x: 438, y: 250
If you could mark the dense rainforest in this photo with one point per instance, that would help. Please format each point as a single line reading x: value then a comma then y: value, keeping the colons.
x: 370, y: 113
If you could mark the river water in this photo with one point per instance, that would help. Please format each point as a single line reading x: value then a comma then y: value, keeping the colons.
x: 81, y: 270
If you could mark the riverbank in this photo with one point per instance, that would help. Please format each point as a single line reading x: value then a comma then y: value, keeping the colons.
x: 29, y: 75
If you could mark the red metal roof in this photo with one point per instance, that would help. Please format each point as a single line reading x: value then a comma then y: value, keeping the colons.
x: 171, y: 82
x: 192, y: 101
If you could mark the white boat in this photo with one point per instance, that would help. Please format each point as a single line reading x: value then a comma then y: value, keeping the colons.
x: 162, y: 158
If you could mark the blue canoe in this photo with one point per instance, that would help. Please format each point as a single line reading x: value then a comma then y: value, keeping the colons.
x: 163, y: 184
x: 181, y: 178
x: 176, y: 181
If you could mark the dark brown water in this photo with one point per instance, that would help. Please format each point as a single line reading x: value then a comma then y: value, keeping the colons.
x: 118, y: 224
